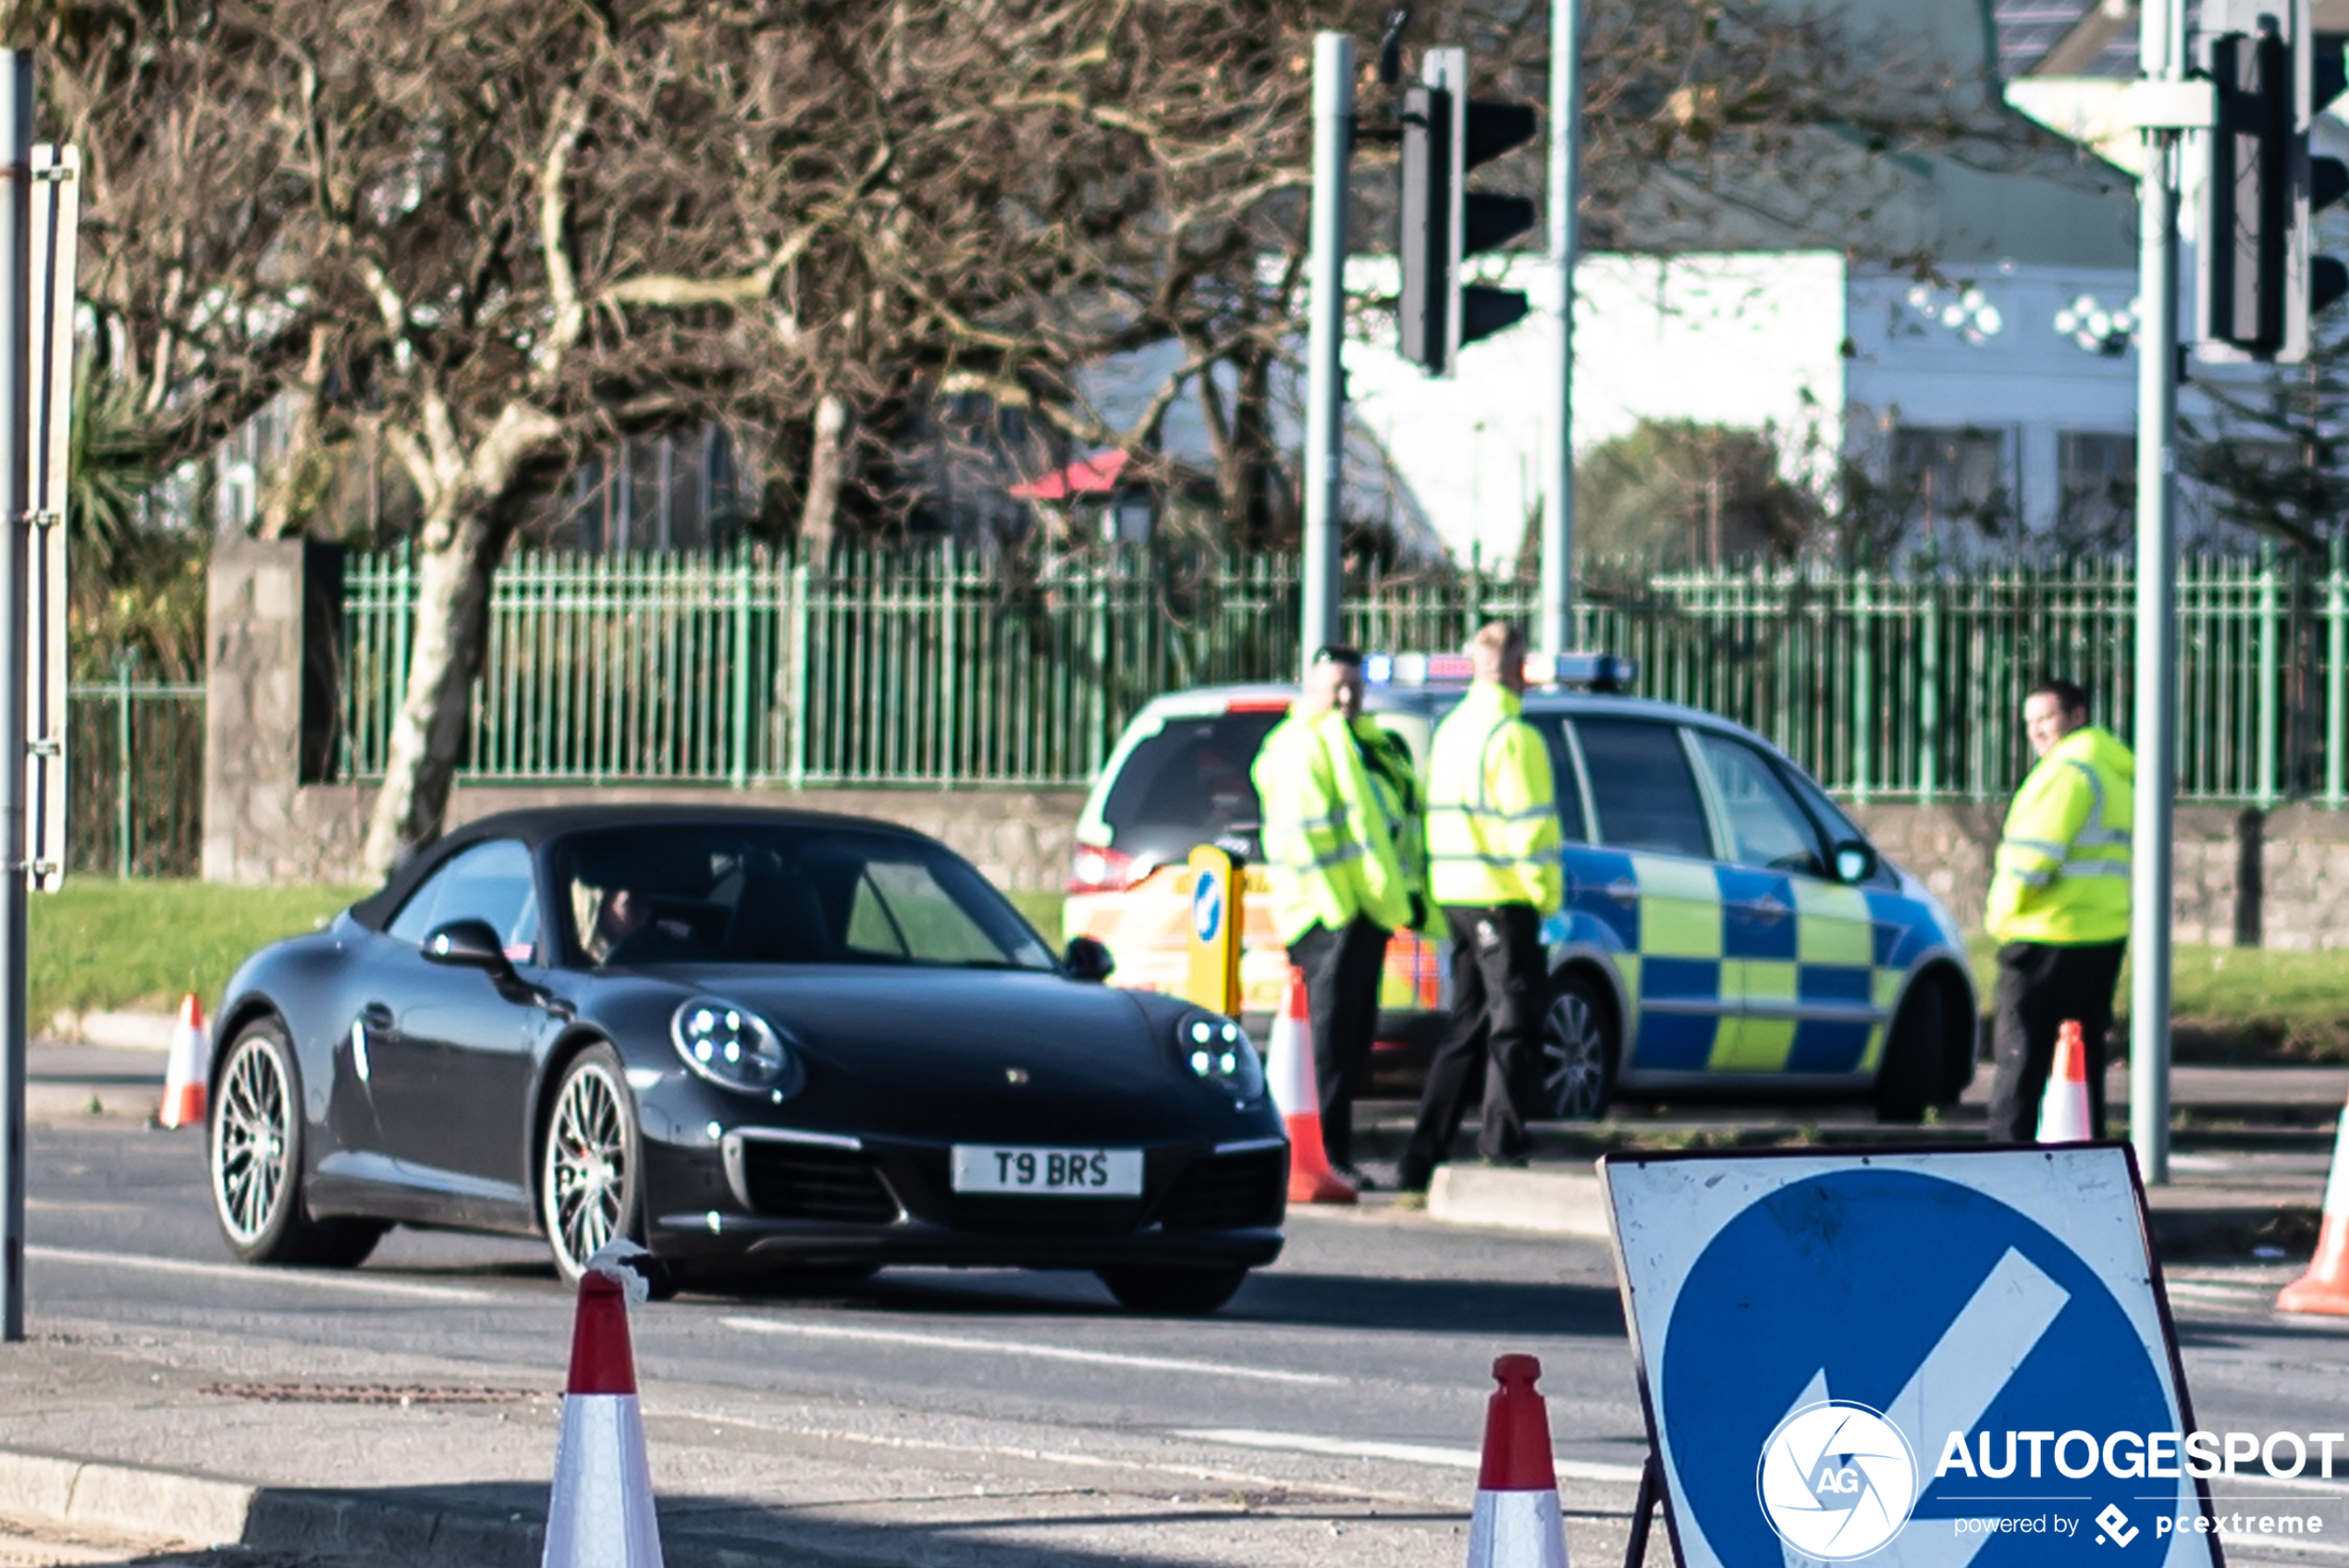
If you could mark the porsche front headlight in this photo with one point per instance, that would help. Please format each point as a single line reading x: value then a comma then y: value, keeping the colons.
x: 1220, y: 1052
x: 732, y: 1046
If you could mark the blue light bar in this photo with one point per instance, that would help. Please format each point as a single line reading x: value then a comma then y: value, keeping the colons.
x: 1595, y: 672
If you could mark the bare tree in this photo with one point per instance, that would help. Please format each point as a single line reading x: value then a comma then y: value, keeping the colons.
x: 486, y: 237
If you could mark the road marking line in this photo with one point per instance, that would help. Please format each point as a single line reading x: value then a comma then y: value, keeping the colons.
x: 1050, y: 1456
x: 1040, y: 1352
x: 264, y: 1275
x: 2261, y: 1295
x: 1405, y: 1453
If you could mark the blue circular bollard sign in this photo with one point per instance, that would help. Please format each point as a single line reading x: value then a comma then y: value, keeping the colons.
x: 1207, y: 906
x: 1924, y: 1361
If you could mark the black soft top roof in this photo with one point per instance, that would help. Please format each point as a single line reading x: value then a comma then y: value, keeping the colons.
x: 537, y: 825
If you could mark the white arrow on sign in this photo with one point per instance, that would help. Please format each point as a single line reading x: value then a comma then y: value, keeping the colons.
x: 1968, y: 1368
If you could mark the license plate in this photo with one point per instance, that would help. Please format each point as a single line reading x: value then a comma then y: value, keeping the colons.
x: 1065, y: 1174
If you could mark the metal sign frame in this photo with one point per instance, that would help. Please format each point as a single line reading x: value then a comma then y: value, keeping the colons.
x: 56, y: 208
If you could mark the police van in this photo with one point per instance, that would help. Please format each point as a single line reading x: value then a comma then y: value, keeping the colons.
x: 1728, y: 932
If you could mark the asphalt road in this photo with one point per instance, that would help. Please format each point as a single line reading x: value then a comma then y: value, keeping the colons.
x: 1372, y: 1334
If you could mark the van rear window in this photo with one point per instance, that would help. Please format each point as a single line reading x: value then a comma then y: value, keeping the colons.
x: 1187, y: 785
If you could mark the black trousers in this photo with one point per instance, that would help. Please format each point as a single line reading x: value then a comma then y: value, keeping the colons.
x: 2040, y: 986
x: 1499, y: 991
x: 1342, y: 972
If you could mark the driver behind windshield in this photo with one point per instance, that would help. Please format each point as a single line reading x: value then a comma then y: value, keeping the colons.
x: 618, y: 925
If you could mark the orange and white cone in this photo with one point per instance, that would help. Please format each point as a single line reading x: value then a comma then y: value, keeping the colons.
x: 1299, y: 1094
x: 600, y: 1514
x: 2325, y: 1287
x: 1516, y: 1523
x: 183, y: 1075
x: 2063, y: 1109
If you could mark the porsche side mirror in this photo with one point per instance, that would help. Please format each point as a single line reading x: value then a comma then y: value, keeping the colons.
x: 1855, y: 862
x: 1088, y: 959
x: 468, y: 944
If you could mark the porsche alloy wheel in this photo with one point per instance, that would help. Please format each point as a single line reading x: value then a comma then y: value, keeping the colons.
x: 588, y: 1179
x: 254, y: 1153
x: 251, y: 1138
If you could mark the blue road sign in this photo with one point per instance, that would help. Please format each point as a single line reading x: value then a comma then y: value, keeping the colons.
x: 1927, y: 1360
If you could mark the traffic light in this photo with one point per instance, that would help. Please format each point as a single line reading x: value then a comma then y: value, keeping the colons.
x: 2260, y: 277
x: 1447, y: 133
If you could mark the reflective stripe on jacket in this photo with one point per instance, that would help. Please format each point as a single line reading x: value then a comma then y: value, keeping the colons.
x: 1491, y: 807
x: 1327, y: 850
x: 2062, y: 870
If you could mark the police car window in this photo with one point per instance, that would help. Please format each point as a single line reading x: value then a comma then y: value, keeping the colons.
x: 1833, y: 822
x: 1187, y: 784
x: 1641, y: 787
x: 1572, y: 824
x: 490, y: 882
x: 1766, y: 827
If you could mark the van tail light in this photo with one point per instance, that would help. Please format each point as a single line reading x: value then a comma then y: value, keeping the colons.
x: 1102, y: 870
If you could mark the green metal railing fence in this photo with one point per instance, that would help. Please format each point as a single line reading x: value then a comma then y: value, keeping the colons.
x: 134, y: 776
x: 937, y: 667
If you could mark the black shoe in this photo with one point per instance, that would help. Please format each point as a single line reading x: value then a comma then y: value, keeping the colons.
x: 1354, y: 1179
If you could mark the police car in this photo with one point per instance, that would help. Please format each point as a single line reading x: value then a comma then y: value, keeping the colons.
x: 1727, y: 931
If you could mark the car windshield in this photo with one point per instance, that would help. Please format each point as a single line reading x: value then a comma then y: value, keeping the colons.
x: 704, y: 894
x: 1187, y: 784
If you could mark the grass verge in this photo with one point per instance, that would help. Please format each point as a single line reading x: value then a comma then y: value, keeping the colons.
x: 101, y: 945
x: 1043, y: 911
x: 2238, y: 1005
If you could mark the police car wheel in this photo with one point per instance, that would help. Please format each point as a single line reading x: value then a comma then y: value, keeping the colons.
x: 1577, y: 1052
x: 1913, y: 1053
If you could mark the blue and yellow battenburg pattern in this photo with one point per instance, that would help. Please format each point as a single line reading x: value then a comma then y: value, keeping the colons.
x: 1735, y: 969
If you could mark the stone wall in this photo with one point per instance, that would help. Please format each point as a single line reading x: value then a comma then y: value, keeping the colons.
x: 2239, y: 879
x: 1021, y: 838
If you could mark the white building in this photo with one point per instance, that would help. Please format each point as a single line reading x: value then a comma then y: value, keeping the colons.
x: 2005, y: 374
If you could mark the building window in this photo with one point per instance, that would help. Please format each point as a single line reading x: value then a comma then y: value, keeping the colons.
x: 1952, y: 478
x: 2099, y: 500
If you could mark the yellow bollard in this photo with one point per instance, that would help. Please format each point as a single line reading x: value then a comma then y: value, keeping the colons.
x: 1217, y: 915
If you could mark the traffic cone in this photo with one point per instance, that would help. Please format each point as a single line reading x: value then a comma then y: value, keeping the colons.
x: 2063, y: 1109
x: 1299, y: 1096
x: 2325, y: 1287
x: 600, y: 1514
x: 1516, y: 1523
x: 183, y: 1075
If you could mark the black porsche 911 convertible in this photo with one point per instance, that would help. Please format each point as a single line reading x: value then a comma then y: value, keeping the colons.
x: 764, y: 1044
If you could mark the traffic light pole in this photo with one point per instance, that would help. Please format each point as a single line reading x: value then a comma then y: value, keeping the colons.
x: 2163, y: 50
x: 1556, y: 632
x: 1326, y: 366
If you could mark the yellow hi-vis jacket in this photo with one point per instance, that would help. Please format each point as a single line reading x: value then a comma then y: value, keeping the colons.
x: 1394, y: 781
x: 2062, y: 872
x: 1328, y: 852
x: 1492, y: 808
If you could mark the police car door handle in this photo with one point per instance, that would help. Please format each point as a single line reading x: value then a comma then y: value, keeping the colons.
x: 1770, y: 909
x: 1623, y: 890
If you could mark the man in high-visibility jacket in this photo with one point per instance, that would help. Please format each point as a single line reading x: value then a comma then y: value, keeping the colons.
x: 2059, y: 905
x: 1338, y: 884
x: 1492, y: 847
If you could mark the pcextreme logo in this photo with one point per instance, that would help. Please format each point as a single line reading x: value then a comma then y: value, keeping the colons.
x: 1837, y: 1481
